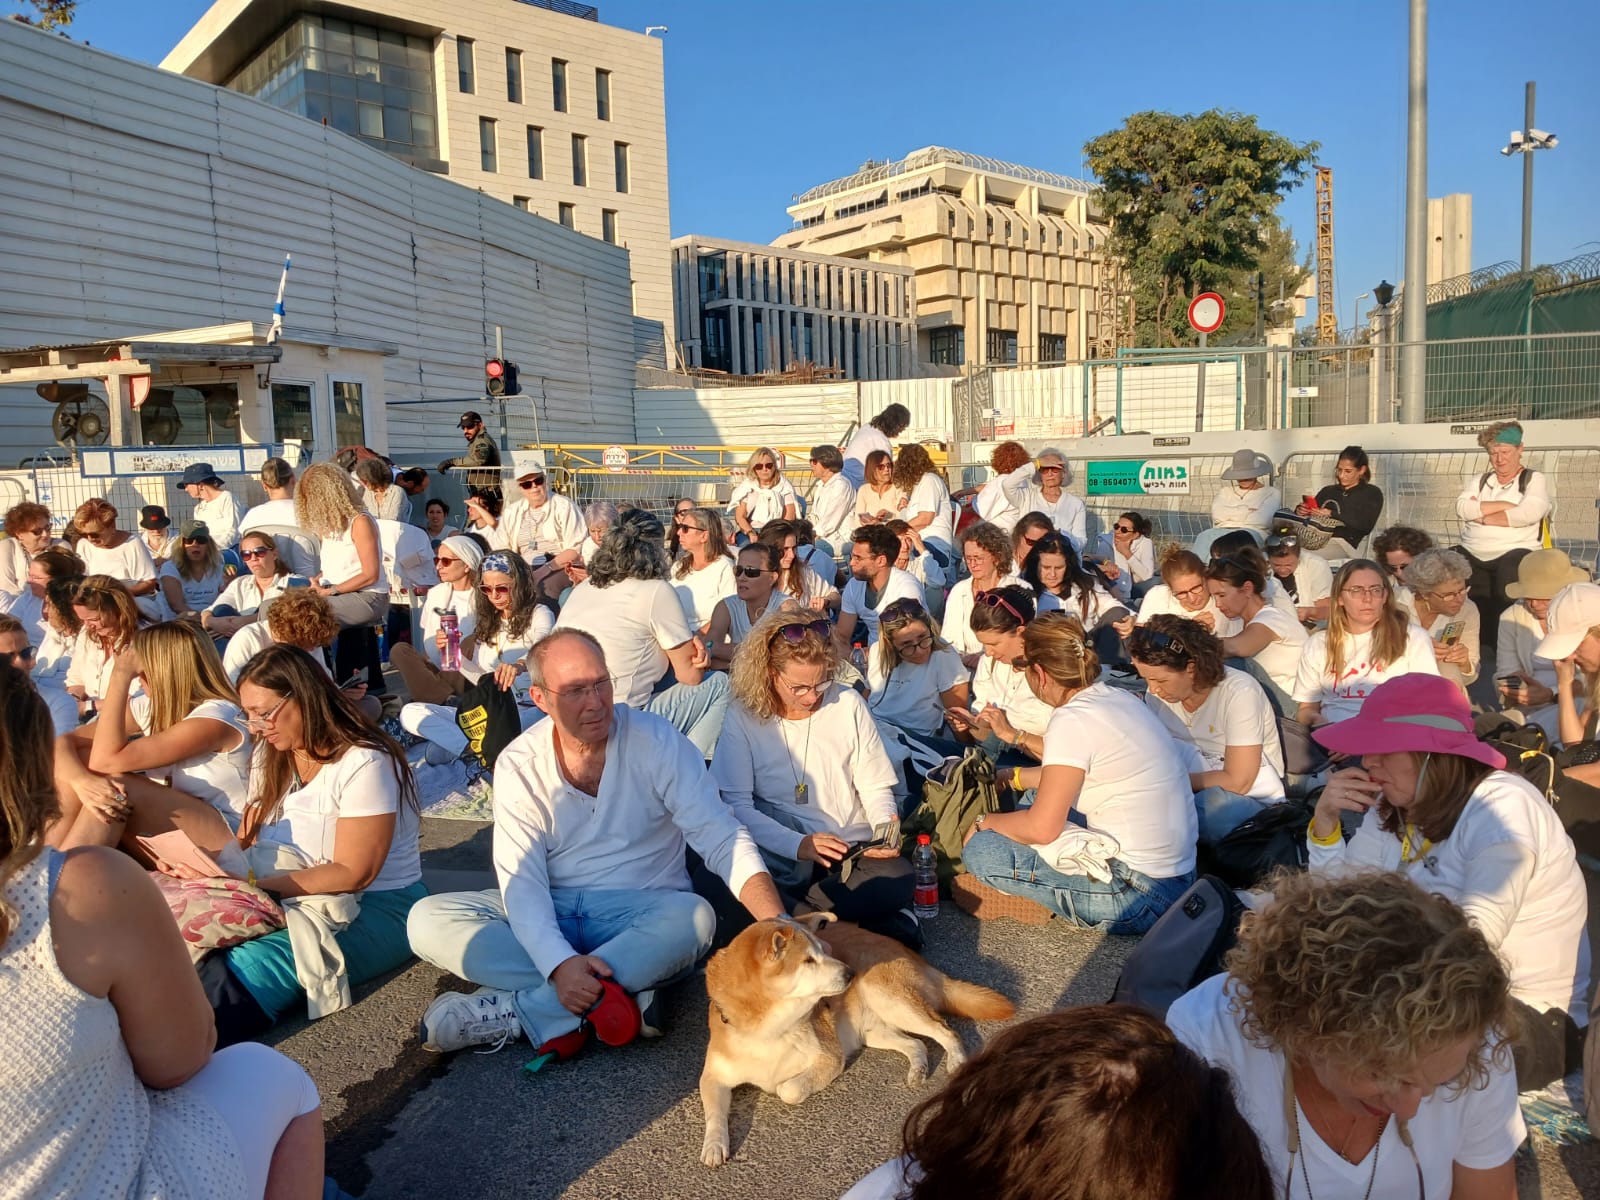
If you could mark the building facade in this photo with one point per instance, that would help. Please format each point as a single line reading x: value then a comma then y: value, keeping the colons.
x: 1004, y: 256
x: 743, y: 309
x: 534, y: 102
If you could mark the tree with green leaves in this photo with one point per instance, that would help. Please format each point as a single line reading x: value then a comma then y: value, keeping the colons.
x: 1192, y: 203
x: 52, y: 13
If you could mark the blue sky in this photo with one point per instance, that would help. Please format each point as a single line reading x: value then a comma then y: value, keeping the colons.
x: 765, y: 99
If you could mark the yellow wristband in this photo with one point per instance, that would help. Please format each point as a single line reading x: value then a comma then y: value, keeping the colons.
x: 1016, y: 778
x: 1333, y: 839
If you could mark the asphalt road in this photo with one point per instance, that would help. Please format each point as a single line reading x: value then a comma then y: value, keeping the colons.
x: 627, y: 1123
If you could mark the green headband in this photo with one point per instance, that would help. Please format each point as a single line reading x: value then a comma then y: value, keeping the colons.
x: 1511, y: 435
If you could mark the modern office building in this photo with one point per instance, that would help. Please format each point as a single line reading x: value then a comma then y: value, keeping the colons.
x: 744, y: 309
x: 1004, y: 255
x: 531, y: 101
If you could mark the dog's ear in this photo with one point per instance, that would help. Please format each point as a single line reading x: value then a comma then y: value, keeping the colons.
x: 815, y: 921
x: 779, y: 945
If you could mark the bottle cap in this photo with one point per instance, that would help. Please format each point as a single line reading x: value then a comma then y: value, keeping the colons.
x: 923, y: 839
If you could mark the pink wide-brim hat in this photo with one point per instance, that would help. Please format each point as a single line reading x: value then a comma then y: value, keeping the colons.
x: 1427, y: 714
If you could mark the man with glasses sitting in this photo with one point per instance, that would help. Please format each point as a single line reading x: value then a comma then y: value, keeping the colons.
x: 546, y: 529
x: 875, y: 583
x: 594, y: 912
x: 19, y: 652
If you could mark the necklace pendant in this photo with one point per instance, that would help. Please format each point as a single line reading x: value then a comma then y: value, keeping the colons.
x: 801, y: 793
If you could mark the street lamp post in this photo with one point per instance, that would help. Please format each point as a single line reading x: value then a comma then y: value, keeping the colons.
x: 1383, y: 293
x: 1525, y: 141
x: 1355, y: 323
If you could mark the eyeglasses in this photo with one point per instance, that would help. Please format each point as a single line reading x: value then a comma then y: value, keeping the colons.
x: 495, y: 589
x: 270, y: 717
x: 530, y: 484
x: 1453, y: 594
x: 805, y: 689
x: 996, y: 600
x: 749, y: 572
x: 196, y: 541
x: 583, y: 691
x: 797, y: 631
x: 24, y: 654
x: 440, y: 560
x: 259, y: 552
x: 1375, y: 592
x: 1198, y: 589
x: 915, y: 645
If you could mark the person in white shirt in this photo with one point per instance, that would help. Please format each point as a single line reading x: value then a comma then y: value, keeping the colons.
x: 545, y: 528
x: 240, y: 603
x: 1368, y: 639
x: 1369, y: 1062
x: 986, y: 551
x: 1062, y: 582
x: 107, y: 550
x: 215, y: 507
x: 874, y: 436
x: 1437, y: 804
x: 1306, y: 577
x: 436, y: 521
x: 107, y: 616
x: 1041, y: 486
x: 764, y: 495
x: 703, y: 573
x: 1504, y: 513
x: 353, y: 577
x: 1036, y: 1112
x: 1527, y: 683
x: 797, y: 580
x: 1127, y: 556
x: 1436, y: 582
x: 927, y: 507
x: 1269, y: 641
x: 28, y: 605
x: 593, y: 808
x: 879, y: 499
x: 1111, y: 764
x: 875, y: 583
x: 380, y: 495
x: 801, y: 764
x: 277, y: 480
x: 991, y: 503
x: 915, y: 561
x: 1183, y: 592
x: 27, y: 527
x: 1220, y: 714
x: 1243, y: 501
x: 914, y: 675
x: 1007, y: 717
x: 756, y: 594
x: 426, y: 677
x: 192, y: 579
x: 629, y: 606
x: 18, y: 649
x: 832, y: 510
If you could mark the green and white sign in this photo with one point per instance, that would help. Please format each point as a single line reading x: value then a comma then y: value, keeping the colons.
x: 1137, y: 477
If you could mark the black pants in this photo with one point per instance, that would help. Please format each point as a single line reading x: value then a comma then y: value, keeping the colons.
x: 1487, y: 586
x: 873, y: 896
x: 1548, y: 1046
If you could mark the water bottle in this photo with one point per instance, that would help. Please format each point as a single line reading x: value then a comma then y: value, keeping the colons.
x: 925, y: 893
x: 450, y: 625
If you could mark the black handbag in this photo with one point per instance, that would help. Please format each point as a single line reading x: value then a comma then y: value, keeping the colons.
x: 488, y: 716
x: 1273, y: 838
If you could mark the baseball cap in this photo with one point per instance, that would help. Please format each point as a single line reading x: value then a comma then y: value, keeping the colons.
x: 1574, y: 610
x: 468, y: 419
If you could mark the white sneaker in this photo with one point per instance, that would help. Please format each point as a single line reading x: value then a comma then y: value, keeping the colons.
x: 457, y: 1020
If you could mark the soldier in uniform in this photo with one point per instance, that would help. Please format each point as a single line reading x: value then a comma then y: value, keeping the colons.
x: 481, y: 450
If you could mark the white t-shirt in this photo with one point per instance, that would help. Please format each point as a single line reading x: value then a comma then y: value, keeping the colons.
x: 245, y: 593
x: 1313, y: 579
x: 887, y: 1182
x: 701, y: 591
x: 219, y: 777
x: 1343, y: 697
x: 636, y: 622
x: 1234, y: 713
x: 131, y: 563
x: 1280, y: 658
x: 866, y: 439
x: 14, y: 562
x: 506, y: 648
x: 444, y: 596
x: 909, y: 696
x: 361, y: 783
x: 1100, y: 603
x: 1478, y: 1129
x: 270, y: 512
x: 1159, y: 600
x: 836, y: 754
x: 29, y: 609
x: 931, y: 495
x: 1006, y: 688
x: 1135, y: 788
x: 1533, y: 910
x: 854, y: 600
x: 957, y: 623
x: 763, y: 504
x: 833, y: 510
x: 221, y: 515
x: 198, y: 594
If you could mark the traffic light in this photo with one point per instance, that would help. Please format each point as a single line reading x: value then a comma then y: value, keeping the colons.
x: 513, y: 388
x: 494, y: 377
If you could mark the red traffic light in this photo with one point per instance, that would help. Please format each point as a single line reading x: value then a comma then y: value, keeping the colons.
x: 494, y: 368
x: 494, y: 376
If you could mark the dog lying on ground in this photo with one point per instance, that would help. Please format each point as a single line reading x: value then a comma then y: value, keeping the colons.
x: 787, y: 1012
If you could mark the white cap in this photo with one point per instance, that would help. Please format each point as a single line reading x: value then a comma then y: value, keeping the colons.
x: 1574, y: 610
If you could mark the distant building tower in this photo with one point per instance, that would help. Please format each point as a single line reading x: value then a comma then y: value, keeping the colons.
x: 1449, y: 236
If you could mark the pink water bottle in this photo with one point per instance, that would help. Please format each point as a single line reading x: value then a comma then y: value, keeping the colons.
x: 450, y: 624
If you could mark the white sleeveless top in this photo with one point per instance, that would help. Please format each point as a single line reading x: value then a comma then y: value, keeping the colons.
x: 341, y: 560
x: 739, y: 615
x: 74, y: 1118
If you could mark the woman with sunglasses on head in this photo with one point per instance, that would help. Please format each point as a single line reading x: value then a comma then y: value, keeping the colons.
x: 796, y: 579
x: 332, y: 812
x: 764, y: 495
x: 1365, y: 1025
x: 1006, y: 717
x: 546, y: 529
x: 879, y: 497
x: 986, y: 551
x: 1436, y: 582
x: 802, y: 765
x: 27, y: 527
x: 927, y: 505
x: 1108, y: 842
x: 756, y: 594
x: 107, y: 616
x: 428, y: 680
x: 703, y: 573
x: 1220, y: 714
x: 1270, y: 641
x: 192, y: 579
x: 1182, y: 592
x: 1306, y: 578
x: 107, y: 550
x: 1369, y: 639
x: 913, y: 674
x: 264, y: 580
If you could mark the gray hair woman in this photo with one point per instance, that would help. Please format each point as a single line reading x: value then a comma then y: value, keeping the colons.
x: 1040, y: 486
x: 1438, y: 582
x: 597, y: 518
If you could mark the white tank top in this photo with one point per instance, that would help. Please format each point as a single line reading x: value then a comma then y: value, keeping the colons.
x: 341, y: 560
x: 739, y: 615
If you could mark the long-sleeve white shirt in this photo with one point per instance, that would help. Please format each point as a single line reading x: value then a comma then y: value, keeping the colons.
x: 1067, y: 512
x: 832, y: 511
x: 221, y: 514
x: 655, y: 795
x: 553, y: 527
x: 1238, y: 508
x: 1521, y: 530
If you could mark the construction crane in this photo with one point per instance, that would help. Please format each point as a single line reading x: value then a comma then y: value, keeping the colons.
x: 1327, y: 315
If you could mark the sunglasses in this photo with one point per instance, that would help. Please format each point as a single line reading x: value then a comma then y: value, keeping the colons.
x: 685, y: 527
x: 24, y: 654
x: 495, y: 589
x: 1156, y: 640
x: 1045, y: 470
x: 196, y: 541
x: 261, y: 552
x: 528, y: 484
x: 749, y: 572
x: 902, y: 608
x: 797, y: 632
x: 765, y: 466
x: 1123, y: 528
x: 440, y: 560
x: 996, y: 600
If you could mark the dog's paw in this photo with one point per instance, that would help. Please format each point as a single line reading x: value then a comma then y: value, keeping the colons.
x: 953, y: 1060
x: 918, y: 1073
x: 794, y: 1091
x: 714, y: 1150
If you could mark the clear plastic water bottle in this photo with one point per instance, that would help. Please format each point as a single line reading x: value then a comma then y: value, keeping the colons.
x: 925, y: 893
x: 450, y: 626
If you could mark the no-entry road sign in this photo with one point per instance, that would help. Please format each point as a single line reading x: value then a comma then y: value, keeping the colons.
x: 1206, y: 312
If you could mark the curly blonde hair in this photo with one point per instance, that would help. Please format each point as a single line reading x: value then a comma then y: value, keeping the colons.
x: 1370, y: 973
x: 763, y: 654
x: 325, y: 500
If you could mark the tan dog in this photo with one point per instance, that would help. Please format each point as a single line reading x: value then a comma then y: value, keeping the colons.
x: 787, y: 1012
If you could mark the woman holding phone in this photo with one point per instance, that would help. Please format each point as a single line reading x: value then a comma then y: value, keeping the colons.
x: 1437, y: 580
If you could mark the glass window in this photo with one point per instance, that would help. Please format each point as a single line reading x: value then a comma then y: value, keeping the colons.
x: 349, y: 414
x: 602, y: 95
x: 487, y: 145
x: 514, y: 76
x: 535, y: 152
x: 521, y: 202
x: 619, y: 154
x: 370, y: 119
x: 713, y: 277
x: 580, y: 160
x: 204, y: 415
x: 291, y: 416
x: 1052, y: 347
x: 948, y: 346
x: 569, y: 215
x: 465, y: 73
x: 608, y: 225
x: 1002, y: 346
x: 558, y: 83
x: 715, y: 352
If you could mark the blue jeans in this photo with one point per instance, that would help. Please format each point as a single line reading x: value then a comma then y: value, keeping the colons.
x: 1222, y: 811
x: 1129, y: 903
x: 695, y: 710
x: 647, y: 938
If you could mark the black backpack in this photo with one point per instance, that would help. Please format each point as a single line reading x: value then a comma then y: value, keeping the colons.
x: 1183, y: 948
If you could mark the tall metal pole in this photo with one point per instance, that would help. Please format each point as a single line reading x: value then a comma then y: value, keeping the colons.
x: 1527, y: 181
x: 1414, y: 322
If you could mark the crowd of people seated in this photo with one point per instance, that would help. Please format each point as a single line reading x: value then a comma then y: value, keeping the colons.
x: 727, y: 721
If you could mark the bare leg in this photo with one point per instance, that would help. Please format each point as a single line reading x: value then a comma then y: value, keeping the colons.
x: 297, y: 1163
x: 152, y: 808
